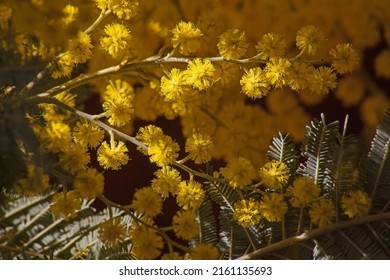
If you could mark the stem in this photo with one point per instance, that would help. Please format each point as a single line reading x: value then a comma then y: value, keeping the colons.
x: 300, y: 221
x: 314, y: 234
x: 100, y: 18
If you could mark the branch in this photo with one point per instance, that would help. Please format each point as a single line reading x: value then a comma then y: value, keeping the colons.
x: 314, y: 234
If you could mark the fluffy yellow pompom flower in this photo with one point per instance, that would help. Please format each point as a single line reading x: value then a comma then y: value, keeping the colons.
x: 271, y: 45
x: 200, y: 74
x: 80, y: 48
x: 345, y: 58
x: 112, y: 232
x: 322, y: 80
x: 89, y: 183
x: 87, y: 134
x: 200, y: 148
x: 303, y: 192
x: 167, y: 181
x: 63, y: 66
x: 190, y: 195
x: 69, y: 14
x: 113, y: 155
x: 274, y: 174
x: 147, y: 202
x: 273, y: 207
x: 254, y: 83
x: 186, y: 36
x: 247, y: 212
x: 147, y: 243
x: 356, y: 204
x: 172, y: 85
x: 65, y: 205
x: 299, y: 75
x: 74, y: 159
x: 204, y: 251
x: 119, y: 109
x: 277, y: 70
x: 163, y: 151
x: 116, y: 39
x: 239, y: 172
x: 322, y: 212
x: 232, y: 44
x: 35, y: 183
x: 309, y: 39
x: 185, y: 224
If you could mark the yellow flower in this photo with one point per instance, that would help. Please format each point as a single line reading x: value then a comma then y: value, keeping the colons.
x: 299, y: 74
x: 112, y: 156
x: 167, y: 181
x: 65, y: 205
x: 200, y: 148
x: 309, y: 39
x: 239, y: 172
x: 254, y: 83
x: 124, y: 9
x: 232, y: 44
x: 87, y: 134
x: 5, y: 13
x: 74, y: 159
x: 70, y: 13
x: 190, y: 195
x: 303, y: 192
x: 112, y: 232
x: 186, y: 36
x: 356, y: 204
x: 35, y: 183
x: 276, y: 71
x: 200, y: 74
x: 247, y: 212
x: 345, y: 58
x: 119, y: 109
x: 172, y: 86
x: 382, y: 64
x: 350, y: 90
x: 149, y: 134
x: 147, y: 202
x: 80, y: 48
x: 163, y: 151
x: 273, y: 207
x: 146, y: 243
x: 185, y: 224
x: 52, y: 113
x: 116, y: 40
x: 322, y: 212
x: 274, y: 174
x: 204, y: 251
x: 322, y: 80
x: 271, y: 45
x: 63, y: 66
x: 89, y: 183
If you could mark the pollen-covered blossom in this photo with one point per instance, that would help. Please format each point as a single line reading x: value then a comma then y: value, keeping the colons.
x: 69, y: 14
x: 124, y: 9
x: 172, y: 85
x: 350, y: 90
x: 254, y: 83
x: 200, y: 148
x: 322, y: 80
x: 80, y: 48
x: 299, y: 75
x: 116, y: 39
x: 190, y: 195
x: 113, y: 155
x: 309, y: 39
x: 274, y: 174
x: 356, y: 203
x: 149, y: 134
x: 146, y: 242
x: 303, y: 192
x: 204, y: 251
x: 247, y: 212
x: 273, y: 207
x: 271, y: 45
x: 232, y: 44
x: 163, y: 151
x: 186, y: 36
x: 63, y: 66
x: 277, y: 70
x: 345, y: 58
x: 185, y: 224
x: 87, y: 134
x: 35, y: 183
x: 322, y: 212
x: 74, y: 159
x: 119, y: 109
x: 65, y: 204
x: 112, y: 232
x: 89, y: 183
x: 239, y: 172
x: 167, y: 181
x: 147, y: 202
x: 200, y: 74
x: 52, y: 113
